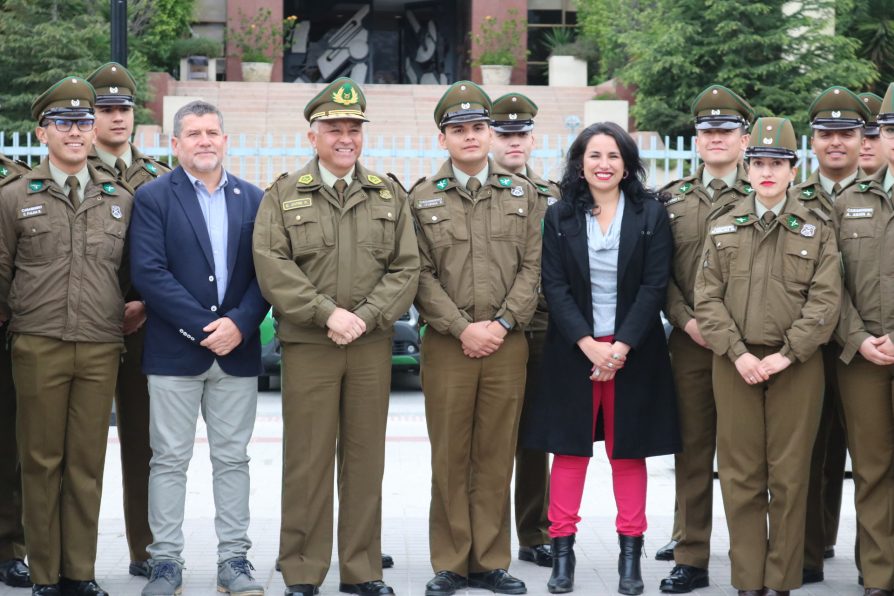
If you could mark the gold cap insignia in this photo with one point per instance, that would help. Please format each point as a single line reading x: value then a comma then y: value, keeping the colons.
x: 346, y: 95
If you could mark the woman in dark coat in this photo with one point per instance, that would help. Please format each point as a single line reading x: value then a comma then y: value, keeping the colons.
x: 607, y: 251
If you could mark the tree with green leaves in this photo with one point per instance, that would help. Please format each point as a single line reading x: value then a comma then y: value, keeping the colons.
x: 777, y: 54
x: 871, y: 23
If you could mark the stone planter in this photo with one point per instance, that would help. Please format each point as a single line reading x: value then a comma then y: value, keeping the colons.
x: 257, y: 72
x: 606, y: 110
x: 492, y: 74
x: 567, y: 71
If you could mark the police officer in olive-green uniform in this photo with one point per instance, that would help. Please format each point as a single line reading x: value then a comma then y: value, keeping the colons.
x: 13, y: 570
x: 836, y: 116
x: 336, y: 256
x: 865, y: 222
x: 872, y: 158
x: 116, y: 155
x: 63, y: 229
x: 478, y: 228
x: 513, y: 125
x: 767, y: 250
x: 721, y: 123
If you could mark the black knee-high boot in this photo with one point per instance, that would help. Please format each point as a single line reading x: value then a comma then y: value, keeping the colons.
x: 631, y: 581
x: 562, y: 579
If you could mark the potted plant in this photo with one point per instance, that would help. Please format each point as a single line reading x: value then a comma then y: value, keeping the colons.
x: 259, y: 40
x: 498, y: 47
x: 568, y: 57
x: 197, y: 57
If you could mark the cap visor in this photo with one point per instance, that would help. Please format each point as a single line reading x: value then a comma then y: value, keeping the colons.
x: 720, y: 124
x: 341, y: 117
x: 836, y: 125
x: 463, y: 118
x: 512, y: 127
x: 113, y: 101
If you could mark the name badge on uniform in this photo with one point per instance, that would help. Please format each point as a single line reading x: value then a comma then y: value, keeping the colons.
x: 808, y: 230
x: 427, y: 203
x: 858, y: 212
x: 517, y: 191
x: 116, y: 212
x: 298, y: 203
x: 32, y: 211
x: 722, y: 230
x: 673, y: 200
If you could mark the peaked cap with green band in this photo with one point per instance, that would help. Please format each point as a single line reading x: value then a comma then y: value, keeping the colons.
x: 72, y: 98
x: 837, y: 108
x: 719, y: 107
x: 340, y: 99
x: 114, y: 85
x: 513, y: 112
x: 874, y: 103
x: 464, y: 101
x: 886, y: 112
x: 772, y: 137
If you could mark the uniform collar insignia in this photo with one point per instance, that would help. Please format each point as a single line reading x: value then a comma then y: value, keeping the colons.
x: 3, y: 171
x: 505, y: 181
x: 686, y: 187
x: 807, y: 192
x: 742, y: 219
x: 792, y: 222
x: 542, y: 188
x: 373, y: 179
x: 35, y: 185
x: 442, y: 183
x: 306, y: 179
x: 152, y: 169
x: 108, y: 188
x: 864, y: 186
x: 749, y: 189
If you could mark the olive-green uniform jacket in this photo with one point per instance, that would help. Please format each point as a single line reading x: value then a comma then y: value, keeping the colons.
x: 548, y: 192
x: 783, y: 291
x: 142, y: 168
x: 10, y: 169
x: 812, y: 194
x: 480, y: 258
x: 62, y: 266
x: 312, y: 254
x: 865, y: 222
x: 689, y: 210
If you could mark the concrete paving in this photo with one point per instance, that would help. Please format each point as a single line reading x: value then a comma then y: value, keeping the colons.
x: 405, y: 519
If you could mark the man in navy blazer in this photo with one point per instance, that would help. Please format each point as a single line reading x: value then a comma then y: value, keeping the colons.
x: 191, y: 247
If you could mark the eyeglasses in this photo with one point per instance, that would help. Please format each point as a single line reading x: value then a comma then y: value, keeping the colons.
x: 887, y: 131
x: 64, y: 124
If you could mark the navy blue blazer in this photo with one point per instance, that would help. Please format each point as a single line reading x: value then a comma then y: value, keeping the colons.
x: 173, y: 269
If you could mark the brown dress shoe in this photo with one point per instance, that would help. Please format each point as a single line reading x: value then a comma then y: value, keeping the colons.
x: 751, y: 593
x: 772, y: 592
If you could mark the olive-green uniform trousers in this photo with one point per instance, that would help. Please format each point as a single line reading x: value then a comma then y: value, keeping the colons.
x: 12, y: 535
x: 531, y: 466
x: 132, y: 417
x: 868, y: 391
x: 331, y: 391
x: 695, y: 465
x: 472, y: 408
x: 826, y: 468
x: 64, y: 392
x: 765, y: 435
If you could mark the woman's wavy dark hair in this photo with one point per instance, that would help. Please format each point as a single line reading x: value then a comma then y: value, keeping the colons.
x: 576, y: 192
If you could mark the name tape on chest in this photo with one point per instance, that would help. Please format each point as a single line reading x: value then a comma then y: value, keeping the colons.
x: 859, y: 212
x: 298, y: 203
x: 673, y: 200
x: 428, y: 203
x: 32, y: 211
x: 722, y: 230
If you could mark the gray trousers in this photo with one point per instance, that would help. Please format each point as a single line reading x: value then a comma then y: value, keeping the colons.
x: 228, y: 405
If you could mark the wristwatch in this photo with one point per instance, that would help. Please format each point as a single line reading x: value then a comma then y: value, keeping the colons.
x: 506, y: 324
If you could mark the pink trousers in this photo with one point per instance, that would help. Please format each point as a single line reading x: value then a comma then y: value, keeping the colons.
x: 569, y: 472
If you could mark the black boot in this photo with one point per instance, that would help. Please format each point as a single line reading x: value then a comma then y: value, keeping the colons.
x: 562, y: 579
x: 631, y: 581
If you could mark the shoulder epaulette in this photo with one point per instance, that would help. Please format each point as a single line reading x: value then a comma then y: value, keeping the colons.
x: 278, y: 178
x: 820, y: 214
x: 720, y: 211
x: 396, y: 180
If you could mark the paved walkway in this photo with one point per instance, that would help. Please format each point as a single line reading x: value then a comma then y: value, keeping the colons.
x: 405, y: 519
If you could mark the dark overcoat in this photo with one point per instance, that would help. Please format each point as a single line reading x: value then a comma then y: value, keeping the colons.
x: 560, y: 417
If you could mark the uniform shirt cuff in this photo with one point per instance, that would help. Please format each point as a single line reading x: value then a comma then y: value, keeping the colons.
x: 323, y: 311
x: 457, y: 327
x: 736, y: 350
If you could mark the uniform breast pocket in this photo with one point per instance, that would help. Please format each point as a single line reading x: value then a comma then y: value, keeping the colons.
x: 381, y: 225
x: 857, y: 240
x: 36, y: 241
x: 727, y: 246
x: 684, y: 227
x: 436, y: 226
x: 113, y: 240
x: 509, y: 221
x: 799, y: 262
x: 308, y: 231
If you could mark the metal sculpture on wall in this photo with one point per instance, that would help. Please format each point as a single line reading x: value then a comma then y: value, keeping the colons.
x: 423, y: 65
x: 342, y: 51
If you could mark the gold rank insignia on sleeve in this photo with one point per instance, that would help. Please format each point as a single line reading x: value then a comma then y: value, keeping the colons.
x: 373, y: 179
x: 298, y: 203
x: 306, y: 179
x: 385, y: 194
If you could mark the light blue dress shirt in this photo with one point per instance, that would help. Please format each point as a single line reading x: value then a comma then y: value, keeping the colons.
x: 602, y: 251
x: 214, y: 210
